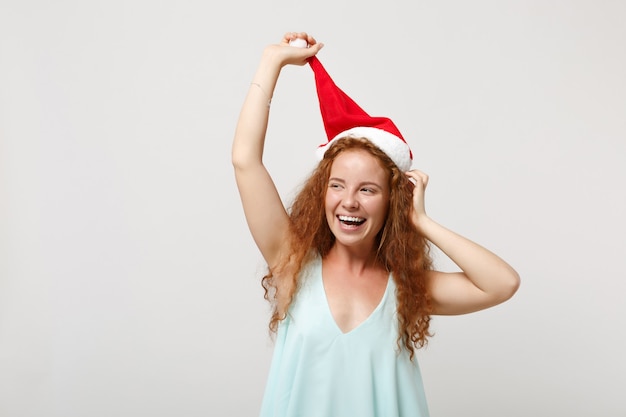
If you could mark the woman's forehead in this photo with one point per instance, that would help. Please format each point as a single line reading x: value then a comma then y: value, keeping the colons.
x: 358, y: 163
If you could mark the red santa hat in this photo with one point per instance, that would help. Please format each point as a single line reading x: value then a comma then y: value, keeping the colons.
x: 343, y: 117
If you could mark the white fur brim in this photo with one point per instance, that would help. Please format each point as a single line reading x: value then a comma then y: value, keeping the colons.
x: 393, y: 146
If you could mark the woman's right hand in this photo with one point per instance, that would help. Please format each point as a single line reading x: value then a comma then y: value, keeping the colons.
x: 293, y: 55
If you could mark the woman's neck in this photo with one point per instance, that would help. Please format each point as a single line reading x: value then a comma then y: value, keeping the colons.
x: 357, y: 261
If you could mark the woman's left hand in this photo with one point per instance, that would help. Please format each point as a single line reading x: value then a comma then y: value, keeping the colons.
x: 419, y: 181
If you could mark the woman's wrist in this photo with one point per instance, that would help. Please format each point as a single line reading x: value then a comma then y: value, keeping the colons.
x: 423, y: 223
x: 272, y: 58
x: 267, y: 73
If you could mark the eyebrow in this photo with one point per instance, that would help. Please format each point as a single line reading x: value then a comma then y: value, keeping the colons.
x: 370, y: 183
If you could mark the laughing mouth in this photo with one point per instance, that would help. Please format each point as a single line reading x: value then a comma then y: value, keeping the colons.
x: 351, y: 221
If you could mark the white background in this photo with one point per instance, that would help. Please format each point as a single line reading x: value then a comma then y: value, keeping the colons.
x: 129, y: 284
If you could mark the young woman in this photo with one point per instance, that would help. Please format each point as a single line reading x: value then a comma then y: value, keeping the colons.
x: 350, y: 275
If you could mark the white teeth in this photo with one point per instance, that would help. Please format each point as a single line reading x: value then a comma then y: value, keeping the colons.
x: 350, y: 219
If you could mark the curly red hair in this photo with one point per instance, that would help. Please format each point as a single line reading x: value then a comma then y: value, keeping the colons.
x: 401, y: 249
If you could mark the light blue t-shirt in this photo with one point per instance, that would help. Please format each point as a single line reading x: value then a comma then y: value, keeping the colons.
x: 319, y: 371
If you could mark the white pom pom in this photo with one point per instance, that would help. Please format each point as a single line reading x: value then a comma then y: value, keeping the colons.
x: 299, y: 43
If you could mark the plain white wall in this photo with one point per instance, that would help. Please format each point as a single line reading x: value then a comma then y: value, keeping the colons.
x: 129, y: 285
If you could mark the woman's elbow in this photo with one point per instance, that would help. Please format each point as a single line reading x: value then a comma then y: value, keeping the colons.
x: 509, y: 285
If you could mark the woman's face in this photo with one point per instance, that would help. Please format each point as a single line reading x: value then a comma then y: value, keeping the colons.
x: 357, y: 199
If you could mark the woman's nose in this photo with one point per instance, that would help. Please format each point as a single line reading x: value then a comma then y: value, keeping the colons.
x: 350, y: 201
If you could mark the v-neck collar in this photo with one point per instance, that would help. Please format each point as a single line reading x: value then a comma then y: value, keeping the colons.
x: 329, y: 312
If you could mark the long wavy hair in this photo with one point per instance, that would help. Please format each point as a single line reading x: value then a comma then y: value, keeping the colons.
x: 401, y: 249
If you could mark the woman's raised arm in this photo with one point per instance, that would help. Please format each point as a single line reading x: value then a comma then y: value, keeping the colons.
x: 263, y: 207
x: 486, y: 280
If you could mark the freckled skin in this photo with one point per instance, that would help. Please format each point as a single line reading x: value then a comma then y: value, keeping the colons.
x: 357, y: 187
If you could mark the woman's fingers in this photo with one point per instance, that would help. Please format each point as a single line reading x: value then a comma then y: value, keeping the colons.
x: 291, y: 36
x: 417, y: 176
